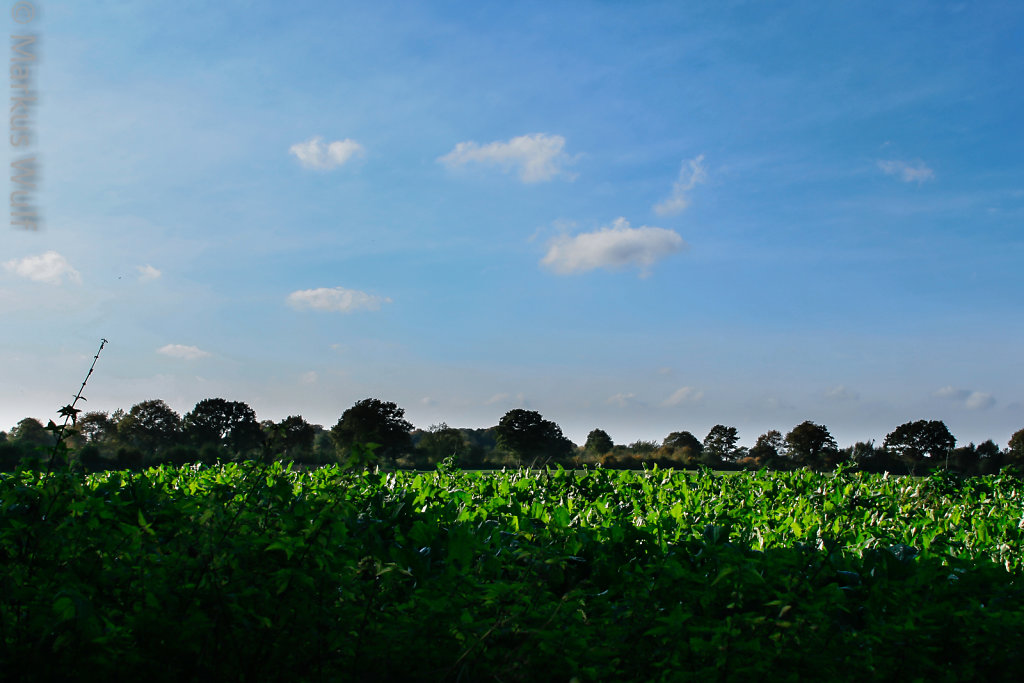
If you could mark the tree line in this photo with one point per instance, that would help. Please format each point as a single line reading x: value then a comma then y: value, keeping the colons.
x: 375, y: 432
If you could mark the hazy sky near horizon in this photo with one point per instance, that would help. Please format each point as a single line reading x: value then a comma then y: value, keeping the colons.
x: 645, y: 217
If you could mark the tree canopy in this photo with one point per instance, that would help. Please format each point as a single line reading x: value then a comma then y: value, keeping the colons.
x: 528, y: 435
x: 810, y: 444
x: 372, y: 421
x: 912, y: 442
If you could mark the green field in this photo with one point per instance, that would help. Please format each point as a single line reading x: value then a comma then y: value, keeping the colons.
x: 257, y: 572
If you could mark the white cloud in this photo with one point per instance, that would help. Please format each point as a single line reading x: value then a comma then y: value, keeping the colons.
x: 841, y: 393
x: 972, y: 400
x: 49, y: 267
x: 614, y: 247
x: 980, y: 401
x: 538, y: 157
x: 338, y: 300
x: 620, y: 400
x: 690, y: 175
x: 308, y: 377
x: 684, y: 395
x: 313, y: 153
x: 519, y: 399
x: 182, y: 351
x: 916, y: 173
x: 950, y: 392
x: 147, y: 272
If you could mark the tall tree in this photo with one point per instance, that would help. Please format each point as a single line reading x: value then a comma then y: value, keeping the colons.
x: 30, y: 432
x: 292, y: 438
x: 150, y: 427
x: 228, y: 424
x: 598, y: 442
x: 529, y: 436
x: 914, y: 442
x: 373, y: 421
x: 768, y: 449
x: 438, y: 443
x: 720, y: 443
x: 811, y: 445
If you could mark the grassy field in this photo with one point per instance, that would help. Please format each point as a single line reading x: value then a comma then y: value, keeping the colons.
x: 250, y: 572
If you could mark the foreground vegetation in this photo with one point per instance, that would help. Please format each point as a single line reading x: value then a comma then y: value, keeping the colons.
x: 254, y: 571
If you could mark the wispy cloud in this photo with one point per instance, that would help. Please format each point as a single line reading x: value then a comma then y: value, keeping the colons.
x: 841, y: 393
x: 621, y: 400
x: 183, y: 352
x: 917, y: 172
x: 49, y: 267
x: 979, y: 400
x: 313, y: 153
x: 308, y: 377
x: 336, y: 300
x: 538, y: 157
x: 147, y: 272
x: 690, y: 175
x: 973, y: 400
x: 615, y: 247
x: 684, y: 395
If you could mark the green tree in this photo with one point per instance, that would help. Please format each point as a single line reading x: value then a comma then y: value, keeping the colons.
x: 290, y: 439
x: 768, y: 449
x: 148, y: 428
x: 720, y: 443
x: 372, y: 421
x: 683, y: 447
x: 1014, y: 454
x: 526, y: 434
x: 598, y: 442
x: 226, y: 424
x: 30, y: 433
x: 914, y: 442
x: 97, y: 428
x: 438, y: 443
x: 811, y: 445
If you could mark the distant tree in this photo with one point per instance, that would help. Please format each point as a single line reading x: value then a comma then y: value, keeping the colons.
x: 915, y: 442
x: 598, y: 442
x: 767, y: 450
x: 228, y: 424
x: 964, y: 459
x: 720, y: 443
x: 148, y: 428
x: 811, y: 445
x: 642, y: 447
x: 680, y: 440
x: 682, y: 448
x: 372, y: 421
x: 438, y: 443
x: 530, y: 437
x: 30, y: 433
x: 1014, y: 454
x: 96, y: 427
x: 290, y: 439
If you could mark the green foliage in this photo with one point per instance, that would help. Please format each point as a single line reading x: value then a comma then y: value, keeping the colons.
x: 529, y: 436
x: 373, y: 421
x: 259, y: 572
x: 230, y: 424
x: 914, y: 442
x: 720, y: 444
x: 811, y: 445
x: 598, y: 442
x: 150, y: 426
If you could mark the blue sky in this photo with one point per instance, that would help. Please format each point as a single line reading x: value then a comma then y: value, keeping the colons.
x: 645, y: 217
